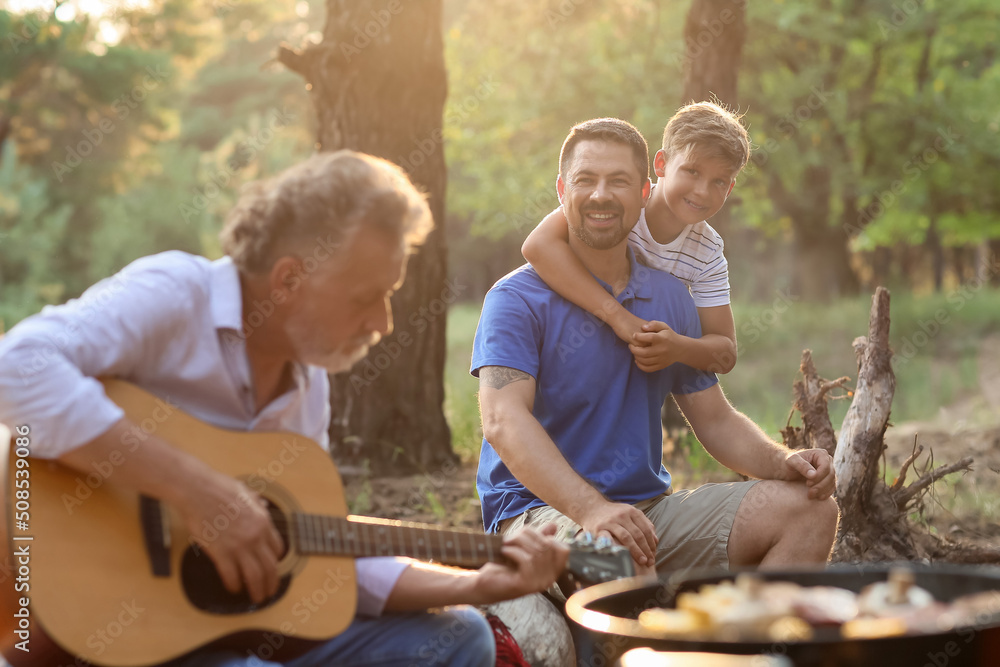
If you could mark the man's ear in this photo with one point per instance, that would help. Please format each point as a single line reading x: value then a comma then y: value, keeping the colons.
x: 286, y: 275
x: 646, y: 187
x: 660, y: 163
x: 560, y: 187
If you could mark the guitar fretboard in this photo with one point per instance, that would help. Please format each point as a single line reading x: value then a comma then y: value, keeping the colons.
x: 367, y: 536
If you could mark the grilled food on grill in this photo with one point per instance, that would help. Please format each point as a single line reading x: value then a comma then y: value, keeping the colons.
x: 750, y: 609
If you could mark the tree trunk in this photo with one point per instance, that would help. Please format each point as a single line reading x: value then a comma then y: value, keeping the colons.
x: 959, y: 264
x: 714, y: 33
x: 713, y: 37
x: 874, y: 524
x: 881, y: 265
x: 937, y: 255
x: 859, y: 447
x: 994, y: 257
x: 378, y: 84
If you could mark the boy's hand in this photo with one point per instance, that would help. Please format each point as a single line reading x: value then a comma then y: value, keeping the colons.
x: 627, y: 326
x: 656, y: 347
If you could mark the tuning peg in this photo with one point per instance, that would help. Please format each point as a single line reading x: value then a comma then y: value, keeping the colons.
x: 588, y: 537
x: 604, y: 542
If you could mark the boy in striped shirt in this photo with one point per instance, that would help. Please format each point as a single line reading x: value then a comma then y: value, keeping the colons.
x: 704, y: 148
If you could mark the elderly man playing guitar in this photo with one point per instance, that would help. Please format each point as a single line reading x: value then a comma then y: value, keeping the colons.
x: 245, y: 343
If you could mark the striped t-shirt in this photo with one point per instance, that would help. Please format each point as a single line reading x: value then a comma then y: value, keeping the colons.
x: 694, y: 257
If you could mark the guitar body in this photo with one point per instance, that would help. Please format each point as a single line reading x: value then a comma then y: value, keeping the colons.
x: 93, y: 590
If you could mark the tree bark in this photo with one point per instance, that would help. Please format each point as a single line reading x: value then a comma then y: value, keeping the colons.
x: 379, y: 85
x: 811, y: 395
x: 859, y: 446
x: 933, y: 242
x: 714, y: 33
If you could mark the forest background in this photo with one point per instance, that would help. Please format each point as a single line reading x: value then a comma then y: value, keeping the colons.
x: 128, y: 128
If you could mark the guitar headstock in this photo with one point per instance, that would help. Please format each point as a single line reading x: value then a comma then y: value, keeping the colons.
x: 593, y: 562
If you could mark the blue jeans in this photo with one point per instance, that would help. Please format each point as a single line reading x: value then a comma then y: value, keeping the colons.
x: 457, y: 636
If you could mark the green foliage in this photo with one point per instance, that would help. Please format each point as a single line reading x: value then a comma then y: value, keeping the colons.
x: 29, y: 232
x: 142, y: 143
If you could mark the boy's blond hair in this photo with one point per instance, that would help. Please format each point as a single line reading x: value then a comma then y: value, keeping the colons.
x: 708, y: 127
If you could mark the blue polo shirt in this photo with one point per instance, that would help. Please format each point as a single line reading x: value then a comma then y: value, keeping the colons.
x: 602, y: 412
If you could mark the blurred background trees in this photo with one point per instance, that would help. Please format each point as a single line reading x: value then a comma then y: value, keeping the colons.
x: 129, y: 129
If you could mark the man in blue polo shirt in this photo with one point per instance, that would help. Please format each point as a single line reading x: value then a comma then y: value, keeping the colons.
x: 571, y: 424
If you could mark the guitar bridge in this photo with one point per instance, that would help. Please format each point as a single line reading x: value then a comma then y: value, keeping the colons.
x: 155, y: 535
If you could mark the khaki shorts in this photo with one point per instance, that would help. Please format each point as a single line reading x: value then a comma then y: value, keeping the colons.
x: 693, y: 526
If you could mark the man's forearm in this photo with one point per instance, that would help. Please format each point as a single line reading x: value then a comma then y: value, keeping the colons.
x: 423, y: 586
x: 154, y: 468
x: 731, y: 437
x: 533, y: 458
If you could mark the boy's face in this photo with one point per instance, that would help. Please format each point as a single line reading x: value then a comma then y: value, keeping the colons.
x: 694, y: 186
x: 602, y: 193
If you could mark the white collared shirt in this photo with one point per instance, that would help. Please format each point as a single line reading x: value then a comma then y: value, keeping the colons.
x: 172, y: 324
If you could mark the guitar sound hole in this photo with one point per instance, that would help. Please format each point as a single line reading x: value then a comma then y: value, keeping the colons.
x: 203, y: 585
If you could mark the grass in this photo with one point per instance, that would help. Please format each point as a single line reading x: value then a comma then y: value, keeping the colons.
x: 461, y: 406
x: 936, y: 339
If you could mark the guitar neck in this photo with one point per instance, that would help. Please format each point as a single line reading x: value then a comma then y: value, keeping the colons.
x: 362, y: 536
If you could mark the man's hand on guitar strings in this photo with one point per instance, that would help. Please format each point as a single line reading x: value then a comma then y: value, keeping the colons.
x: 538, y: 560
x: 231, y: 523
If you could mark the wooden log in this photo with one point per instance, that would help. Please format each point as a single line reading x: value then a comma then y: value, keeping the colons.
x: 860, y: 445
x: 810, y: 400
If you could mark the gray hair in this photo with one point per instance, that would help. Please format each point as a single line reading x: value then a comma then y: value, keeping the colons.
x: 329, y: 195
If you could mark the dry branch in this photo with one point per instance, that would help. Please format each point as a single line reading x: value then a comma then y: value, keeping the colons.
x: 966, y: 554
x: 810, y: 400
x: 904, y: 496
x: 917, y: 451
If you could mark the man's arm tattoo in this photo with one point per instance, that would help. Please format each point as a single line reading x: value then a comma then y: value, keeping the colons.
x: 498, y: 377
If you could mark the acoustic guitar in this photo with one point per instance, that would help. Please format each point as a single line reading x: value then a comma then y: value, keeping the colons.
x: 99, y: 572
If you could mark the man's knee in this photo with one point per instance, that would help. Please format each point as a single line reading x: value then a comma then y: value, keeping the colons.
x: 465, y: 638
x: 829, y: 514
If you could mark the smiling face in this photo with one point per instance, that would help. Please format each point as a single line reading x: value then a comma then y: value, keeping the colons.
x: 602, y: 193
x: 342, y: 308
x: 693, y: 185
